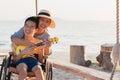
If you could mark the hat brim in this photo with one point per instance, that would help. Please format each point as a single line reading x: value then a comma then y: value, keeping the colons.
x: 52, y: 24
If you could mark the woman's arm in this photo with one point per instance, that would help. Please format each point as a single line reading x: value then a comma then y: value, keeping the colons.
x: 19, y: 34
x: 17, y: 38
x: 19, y: 41
x: 47, y: 51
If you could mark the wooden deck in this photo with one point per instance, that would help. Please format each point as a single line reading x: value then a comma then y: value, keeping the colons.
x: 84, y: 72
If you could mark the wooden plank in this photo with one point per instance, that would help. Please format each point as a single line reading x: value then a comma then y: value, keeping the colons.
x: 3, y: 55
x: 84, y: 72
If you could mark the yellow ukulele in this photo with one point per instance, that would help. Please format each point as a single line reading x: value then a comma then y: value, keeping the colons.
x: 22, y: 47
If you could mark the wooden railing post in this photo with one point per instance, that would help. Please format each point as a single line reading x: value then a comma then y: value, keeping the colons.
x: 104, y: 58
x: 77, y: 54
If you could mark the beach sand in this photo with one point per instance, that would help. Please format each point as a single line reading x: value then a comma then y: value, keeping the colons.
x: 65, y: 58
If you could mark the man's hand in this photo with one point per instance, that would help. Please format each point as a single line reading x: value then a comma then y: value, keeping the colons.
x: 28, y: 50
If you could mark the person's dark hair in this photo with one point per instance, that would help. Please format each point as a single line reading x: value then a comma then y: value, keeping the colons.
x: 33, y: 19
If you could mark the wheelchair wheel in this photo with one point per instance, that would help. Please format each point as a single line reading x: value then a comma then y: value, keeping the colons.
x: 5, y: 74
x: 49, y: 72
x: 6, y: 71
x: 2, y: 69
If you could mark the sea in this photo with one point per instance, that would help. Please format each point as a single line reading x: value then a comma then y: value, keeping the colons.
x: 91, y: 34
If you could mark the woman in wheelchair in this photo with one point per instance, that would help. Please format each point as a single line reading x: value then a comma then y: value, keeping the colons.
x: 24, y: 55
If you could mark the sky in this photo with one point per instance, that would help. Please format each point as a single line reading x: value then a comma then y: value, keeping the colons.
x: 75, y: 10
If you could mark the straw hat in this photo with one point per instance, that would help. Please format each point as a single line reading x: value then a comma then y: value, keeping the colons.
x: 46, y: 14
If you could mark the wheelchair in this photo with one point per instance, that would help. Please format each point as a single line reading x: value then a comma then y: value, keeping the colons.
x: 8, y: 69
